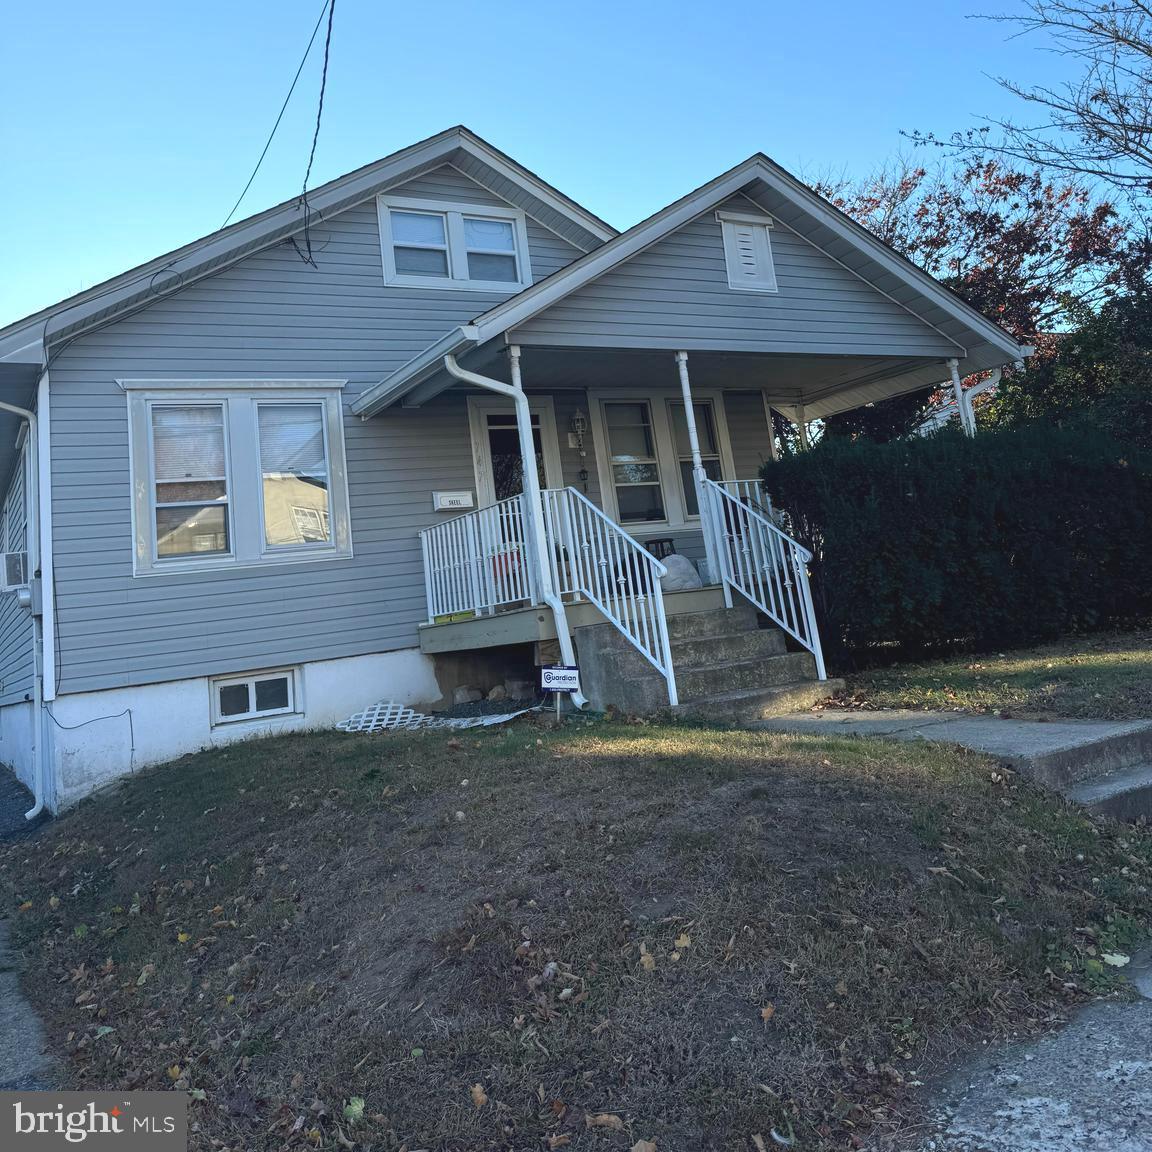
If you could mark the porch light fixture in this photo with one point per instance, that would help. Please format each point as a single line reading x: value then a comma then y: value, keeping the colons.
x: 578, y: 426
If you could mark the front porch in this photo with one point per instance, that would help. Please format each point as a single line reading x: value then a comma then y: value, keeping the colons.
x: 620, y: 411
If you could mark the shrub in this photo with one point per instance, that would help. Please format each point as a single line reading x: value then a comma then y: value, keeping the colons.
x: 944, y: 542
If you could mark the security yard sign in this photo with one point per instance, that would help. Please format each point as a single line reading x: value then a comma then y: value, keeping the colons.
x: 559, y: 678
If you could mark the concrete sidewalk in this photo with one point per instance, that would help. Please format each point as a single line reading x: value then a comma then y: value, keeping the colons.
x: 1106, y: 765
x: 1009, y: 739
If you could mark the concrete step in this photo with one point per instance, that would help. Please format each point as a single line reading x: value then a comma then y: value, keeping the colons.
x: 1124, y: 795
x: 736, y: 675
x: 721, y: 622
x: 750, y: 704
x: 1088, y: 754
x: 702, y: 651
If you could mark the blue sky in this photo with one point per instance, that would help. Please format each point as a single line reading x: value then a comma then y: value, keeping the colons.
x: 130, y: 126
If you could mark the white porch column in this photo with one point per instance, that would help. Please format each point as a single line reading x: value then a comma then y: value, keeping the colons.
x: 703, y: 502
x: 802, y: 429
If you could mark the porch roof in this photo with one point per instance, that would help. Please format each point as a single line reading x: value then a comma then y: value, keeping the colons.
x: 823, y: 383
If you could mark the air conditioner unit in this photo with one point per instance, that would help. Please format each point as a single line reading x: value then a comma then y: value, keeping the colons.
x: 14, y: 571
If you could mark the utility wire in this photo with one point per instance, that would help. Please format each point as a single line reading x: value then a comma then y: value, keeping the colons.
x: 320, y: 106
x: 328, y: 4
x: 306, y: 255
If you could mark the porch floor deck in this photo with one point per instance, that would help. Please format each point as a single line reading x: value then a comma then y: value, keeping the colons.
x: 526, y: 625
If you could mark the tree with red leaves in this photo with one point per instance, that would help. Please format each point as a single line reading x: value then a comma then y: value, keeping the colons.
x: 1023, y: 249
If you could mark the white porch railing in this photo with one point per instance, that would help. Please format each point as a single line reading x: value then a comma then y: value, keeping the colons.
x: 478, y: 563
x: 594, y: 558
x: 760, y: 561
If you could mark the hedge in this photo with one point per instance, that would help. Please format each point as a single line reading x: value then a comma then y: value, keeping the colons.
x: 944, y: 542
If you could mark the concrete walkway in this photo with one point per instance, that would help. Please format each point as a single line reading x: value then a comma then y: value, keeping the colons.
x: 1106, y: 765
x: 1010, y: 739
x: 1086, y: 1088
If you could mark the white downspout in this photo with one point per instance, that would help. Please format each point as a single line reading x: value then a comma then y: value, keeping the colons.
x: 532, y: 497
x: 32, y: 489
x: 702, y: 499
x: 966, y: 421
x: 975, y: 391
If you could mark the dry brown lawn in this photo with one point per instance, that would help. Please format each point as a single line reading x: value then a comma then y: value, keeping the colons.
x: 586, y: 939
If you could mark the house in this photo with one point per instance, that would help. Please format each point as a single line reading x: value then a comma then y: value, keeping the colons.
x: 275, y: 476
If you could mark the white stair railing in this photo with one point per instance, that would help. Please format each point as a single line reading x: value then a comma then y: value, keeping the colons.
x: 761, y: 562
x: 594, y: 558
x: 478, y: 562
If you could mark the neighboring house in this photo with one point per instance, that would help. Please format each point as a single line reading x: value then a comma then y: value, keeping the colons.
x: 274, y: 476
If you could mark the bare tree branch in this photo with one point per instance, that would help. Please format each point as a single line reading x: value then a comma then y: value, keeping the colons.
x: 1098, y: 125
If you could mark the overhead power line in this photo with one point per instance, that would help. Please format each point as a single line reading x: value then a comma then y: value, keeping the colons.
x: 329, y: 6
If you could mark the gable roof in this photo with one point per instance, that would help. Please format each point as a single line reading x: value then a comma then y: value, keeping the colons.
x: 23, y: 340
x: 779, y: 194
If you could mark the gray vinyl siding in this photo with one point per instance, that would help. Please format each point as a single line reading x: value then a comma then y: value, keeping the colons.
x: 269, y: 316
x: 16, y: 665
x: 675, y: 294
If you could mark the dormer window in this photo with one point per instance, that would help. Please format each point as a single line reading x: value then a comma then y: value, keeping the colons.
x: 748, y: 251
x: 434, y: 245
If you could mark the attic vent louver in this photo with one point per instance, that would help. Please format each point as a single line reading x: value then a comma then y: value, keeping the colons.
x: 748, y: 251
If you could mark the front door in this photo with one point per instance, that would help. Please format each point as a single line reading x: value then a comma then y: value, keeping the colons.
x: 496, y: 447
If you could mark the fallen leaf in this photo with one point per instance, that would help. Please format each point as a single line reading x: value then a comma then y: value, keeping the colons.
x: 767, y: 1012
x: 559, y: 1141
x: 758, y: 1140
x: 648, y: 962
x: 174, y: 1072
x: 603, y: 1120
x: 183, y: 937
x: 1115, y: 959
x: 479, y: 1096
x: 147, y: 971
x: 26, y: 906
x: 54, y: 902
x: 682, y: 941
x: 471, y: 943
x: 643, y: 1146
x: 841, y: 988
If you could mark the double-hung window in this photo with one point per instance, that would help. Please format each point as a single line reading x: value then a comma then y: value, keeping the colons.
x: 633, y: 458
x: 709, y: 449
x: 645, y: 464
x: 236, y: 473
x: 426, y: 244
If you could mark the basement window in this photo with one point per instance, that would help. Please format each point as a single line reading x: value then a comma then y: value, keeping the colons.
x: 253, y: 697
x: 748, y: 251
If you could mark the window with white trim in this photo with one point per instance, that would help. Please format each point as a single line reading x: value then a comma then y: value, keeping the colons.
x: 709, y: 449
x: 748, y: 251
x: 644, y: 458
x: 432, y: 245
x: 228, y: 477
x: 633, y: 457
x: 252, y: 697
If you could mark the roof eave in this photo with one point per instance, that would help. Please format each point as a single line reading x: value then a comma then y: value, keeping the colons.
x: 217, y: 249
x: 399, y: 383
